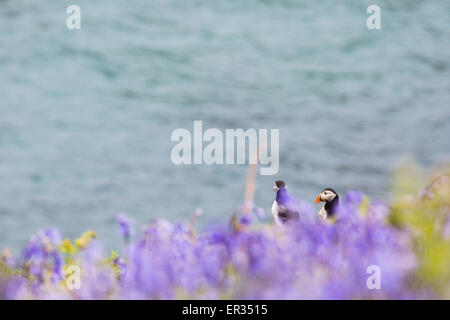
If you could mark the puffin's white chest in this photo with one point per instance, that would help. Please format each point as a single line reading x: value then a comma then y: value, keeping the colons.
x: 322, y: 213
x: 275, y: 213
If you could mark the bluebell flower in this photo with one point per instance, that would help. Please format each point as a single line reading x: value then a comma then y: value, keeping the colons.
x: 125, y: 225
x: 307, y: 260
x: 353, y: 197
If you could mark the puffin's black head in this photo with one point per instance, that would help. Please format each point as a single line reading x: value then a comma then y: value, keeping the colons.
x: 277, y: 185
x: 327, y: 195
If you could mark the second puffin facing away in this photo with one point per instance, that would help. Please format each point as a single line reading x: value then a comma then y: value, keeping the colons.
x: 285, y: 206
x: 331, y: 199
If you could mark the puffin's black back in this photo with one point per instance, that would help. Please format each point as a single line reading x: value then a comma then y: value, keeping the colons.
x: 332, y: 207
x: 287, y: 215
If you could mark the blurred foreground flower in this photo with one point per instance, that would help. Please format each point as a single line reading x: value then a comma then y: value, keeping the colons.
x: 125, y: 226
x: 406, y: 241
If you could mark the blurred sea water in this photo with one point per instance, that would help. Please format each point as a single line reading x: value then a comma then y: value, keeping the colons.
x: 86, y: 115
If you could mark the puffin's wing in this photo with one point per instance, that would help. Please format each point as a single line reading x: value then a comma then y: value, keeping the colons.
x: 292, y: 207
x: 283, y: 213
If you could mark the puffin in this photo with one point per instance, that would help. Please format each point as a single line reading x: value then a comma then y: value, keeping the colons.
x: 331, y: 199
x: 284, y: 208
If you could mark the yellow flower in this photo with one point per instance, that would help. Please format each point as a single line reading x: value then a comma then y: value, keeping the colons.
x: 85, y: 239
x: 66, y: 247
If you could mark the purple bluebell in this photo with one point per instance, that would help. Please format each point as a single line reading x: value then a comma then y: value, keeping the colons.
x: 125, y: 225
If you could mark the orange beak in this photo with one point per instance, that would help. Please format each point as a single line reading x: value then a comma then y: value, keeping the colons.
x: 318, y: 199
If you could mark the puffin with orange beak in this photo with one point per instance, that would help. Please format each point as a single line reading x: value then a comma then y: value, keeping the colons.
x: 331, y: 199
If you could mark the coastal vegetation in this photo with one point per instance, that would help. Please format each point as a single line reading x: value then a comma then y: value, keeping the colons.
x: 406, y: 238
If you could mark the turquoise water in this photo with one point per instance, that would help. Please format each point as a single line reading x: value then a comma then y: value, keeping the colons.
x: 86, y: 115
